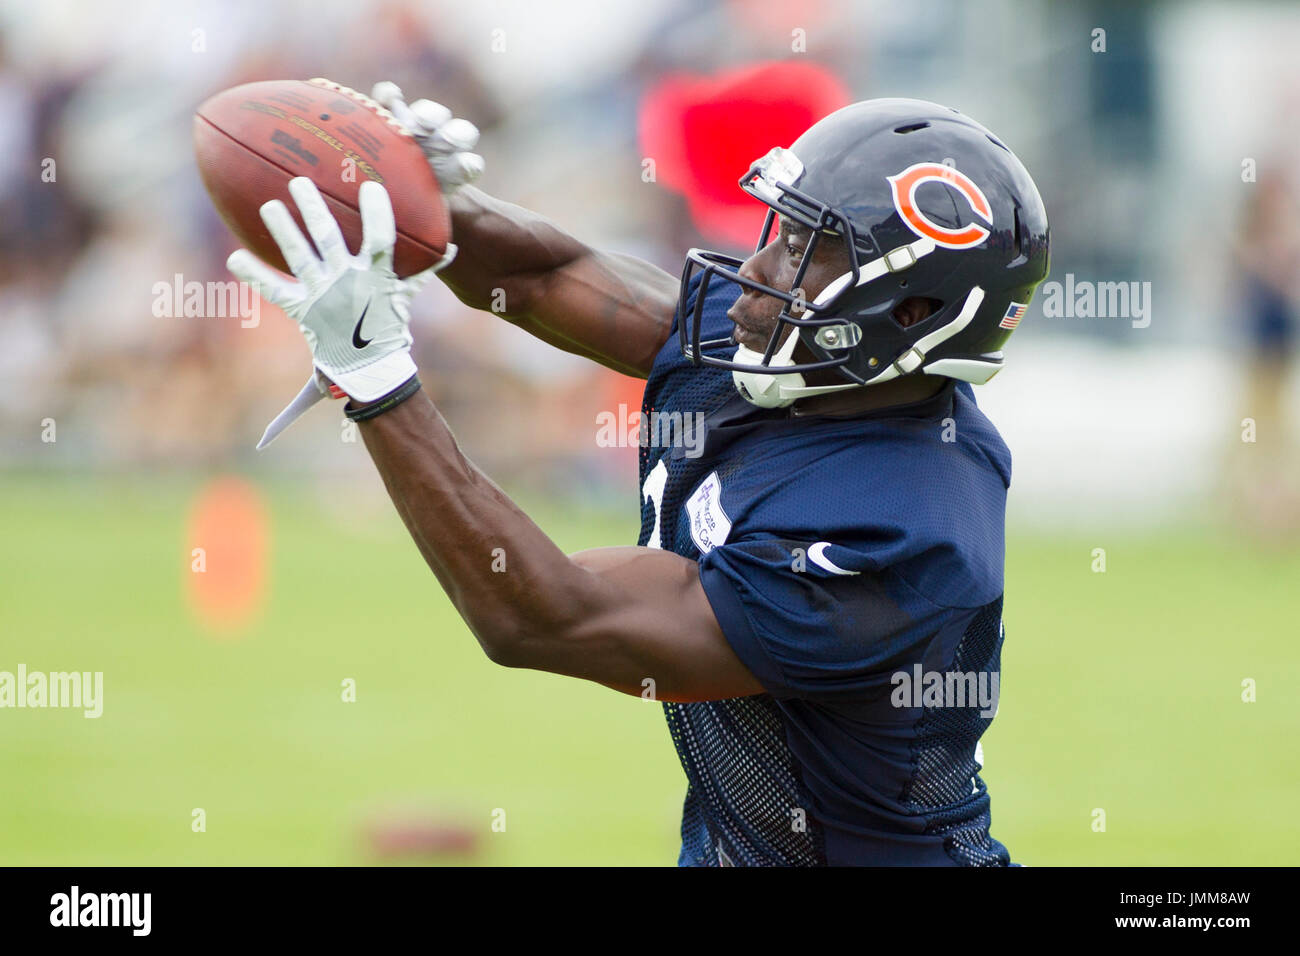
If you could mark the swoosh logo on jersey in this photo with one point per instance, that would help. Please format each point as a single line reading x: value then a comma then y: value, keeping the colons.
x: 357, y: 340
x: 817, y: 555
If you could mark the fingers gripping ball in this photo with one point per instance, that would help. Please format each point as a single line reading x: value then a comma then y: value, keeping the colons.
x: 447, y: 142
x: 352, y: 309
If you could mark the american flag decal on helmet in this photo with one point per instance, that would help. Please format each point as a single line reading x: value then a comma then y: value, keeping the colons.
x: 1014, y: 314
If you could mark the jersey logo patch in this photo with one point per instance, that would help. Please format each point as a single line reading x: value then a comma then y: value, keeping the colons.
x: 709, y: 523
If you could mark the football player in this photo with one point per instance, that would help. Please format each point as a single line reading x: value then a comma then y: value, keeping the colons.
x: 818, y: 564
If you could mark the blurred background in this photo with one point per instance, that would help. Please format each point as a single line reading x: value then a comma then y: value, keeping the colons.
x: 1153, y: 554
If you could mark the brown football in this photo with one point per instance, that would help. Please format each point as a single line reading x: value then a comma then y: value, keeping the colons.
x: 251, y: 140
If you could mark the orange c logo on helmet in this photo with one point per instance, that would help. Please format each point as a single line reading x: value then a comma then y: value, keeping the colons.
x: 904, y: 186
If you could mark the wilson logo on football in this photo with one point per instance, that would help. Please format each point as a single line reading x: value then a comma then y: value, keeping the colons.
x: 905, y: 185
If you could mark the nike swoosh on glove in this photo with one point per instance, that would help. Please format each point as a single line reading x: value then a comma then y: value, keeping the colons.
x: 339, y: 299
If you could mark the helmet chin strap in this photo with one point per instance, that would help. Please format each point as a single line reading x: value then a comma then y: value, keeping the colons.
x: 769, y: 390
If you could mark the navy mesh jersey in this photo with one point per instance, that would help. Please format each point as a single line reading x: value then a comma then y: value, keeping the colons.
x: 837, y: 554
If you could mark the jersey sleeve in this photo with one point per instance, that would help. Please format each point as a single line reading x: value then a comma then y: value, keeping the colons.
x: 815, y: 621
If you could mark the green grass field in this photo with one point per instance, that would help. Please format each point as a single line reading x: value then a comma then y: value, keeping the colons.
x: 1120, y: 691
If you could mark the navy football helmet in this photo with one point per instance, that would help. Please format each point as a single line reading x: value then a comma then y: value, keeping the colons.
x: 928, y: 203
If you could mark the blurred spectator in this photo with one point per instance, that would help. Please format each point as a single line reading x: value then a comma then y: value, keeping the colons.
x: 1267, y: 249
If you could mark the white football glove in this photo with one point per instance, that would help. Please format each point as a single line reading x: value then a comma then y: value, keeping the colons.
x: 352, y: 309
x: 447, y: 142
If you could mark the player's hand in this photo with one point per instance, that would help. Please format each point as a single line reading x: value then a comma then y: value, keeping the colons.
x: 447, y: 141
x: 352, y: 309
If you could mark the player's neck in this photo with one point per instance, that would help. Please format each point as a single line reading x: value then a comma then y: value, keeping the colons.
x: 855, y: 401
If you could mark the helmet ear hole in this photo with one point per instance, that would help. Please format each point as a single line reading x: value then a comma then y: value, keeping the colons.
x: 914, y: 309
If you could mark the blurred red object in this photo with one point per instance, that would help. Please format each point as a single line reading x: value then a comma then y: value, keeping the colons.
x: 390, y: 838
x: 226, y: 562
x: 703, y: 132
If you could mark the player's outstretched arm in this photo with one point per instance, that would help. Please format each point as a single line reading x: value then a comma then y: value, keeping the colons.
x: 610, y: 307
x: 613, y: 308
x: 621, y: 616
x: 634, y: 619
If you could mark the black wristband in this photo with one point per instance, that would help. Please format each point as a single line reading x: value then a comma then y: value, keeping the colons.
x: 385, y: 404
